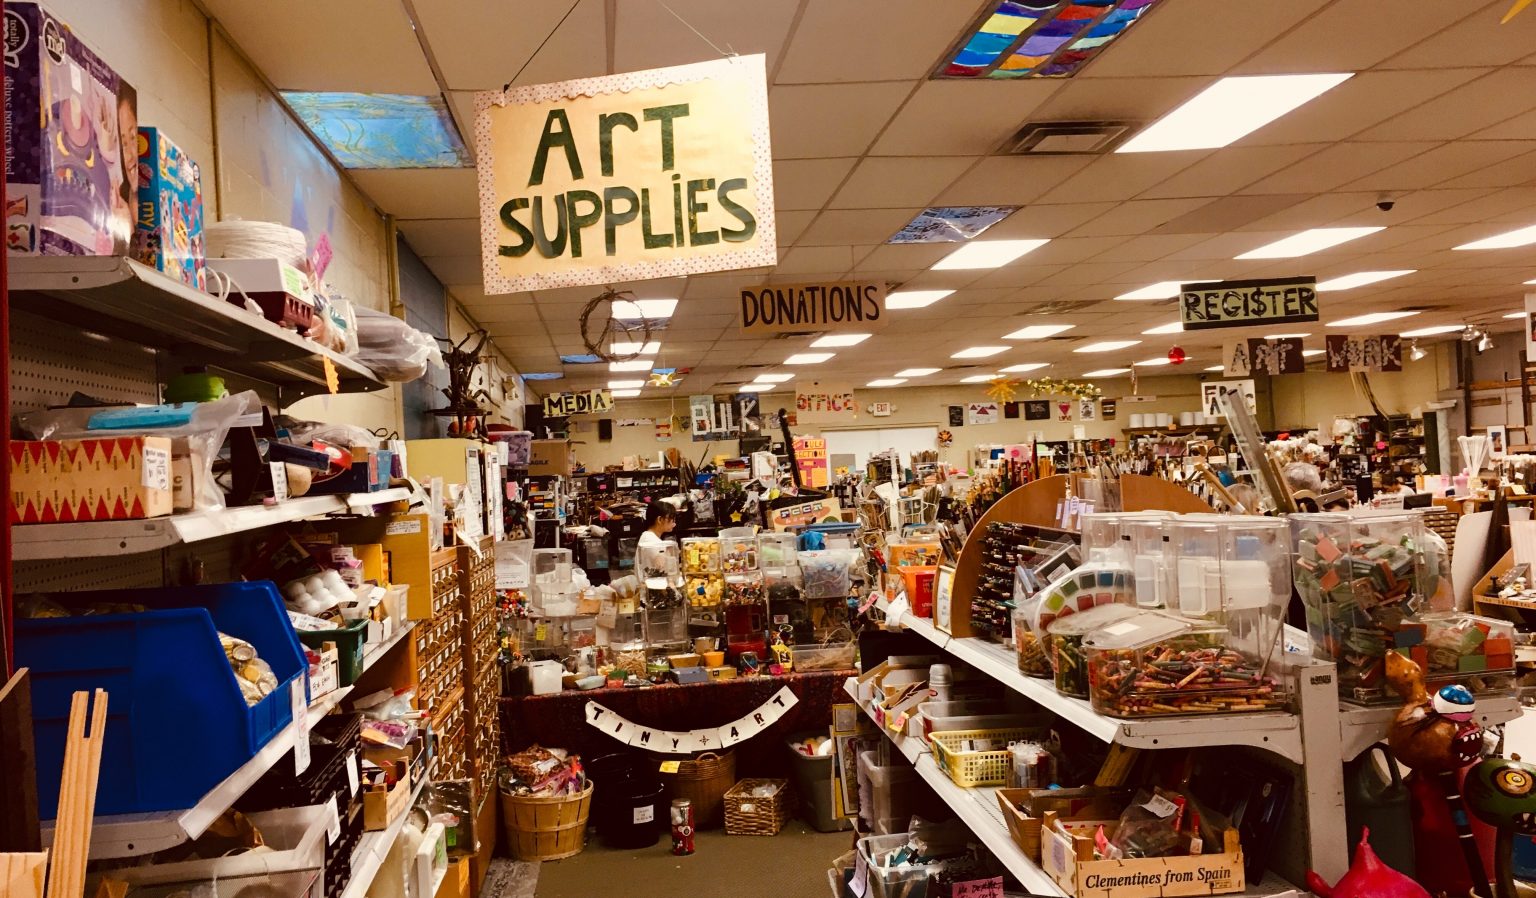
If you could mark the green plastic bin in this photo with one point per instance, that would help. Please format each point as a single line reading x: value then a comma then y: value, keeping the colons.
x: 349, y: 647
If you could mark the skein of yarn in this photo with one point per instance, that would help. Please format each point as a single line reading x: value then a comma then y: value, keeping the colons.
x: 257, y: 240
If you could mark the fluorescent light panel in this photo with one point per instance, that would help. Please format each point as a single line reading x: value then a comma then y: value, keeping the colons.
x: 1027, y: 366
x: 1360, y: 279
x: 1515, y: 315
x: 1172, y: 327
x: 1159, y: 290
x: 1371, y: 318
x: 1107, y: 372
x: 1295, y: 336
x: 1433, y: 331
x: 632, y: 365
x: 1307, y: 242
x: 917, y: 372
x: 1215, y: 368
x: 1154, y: 363
x: 627, y: 310
x: 979, y: 352
x: 809, y: 358
x: 837, y: 341
x: 625, y: 384
x: 914, y: 299
x: 977, y: 378
x: 1309, y: 353
x: 1107, y: 346
x: 625, y: 394
x: 987, y: 254
x: 773, y: 378
x: 886, y: 382
x: 1230, y: 109
x: 621, y: 348
x: 1522, y: 237
x: 1038, y: 331
x: 751, y: 388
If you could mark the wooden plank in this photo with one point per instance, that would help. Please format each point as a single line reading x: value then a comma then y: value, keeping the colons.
x: 22, y: 874
x: 1139, y: 492
x: 19, y: 831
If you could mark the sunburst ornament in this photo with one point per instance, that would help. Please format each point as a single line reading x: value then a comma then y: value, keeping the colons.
x: 1515, y: 10
x: 1002, y: 389
x: 664, y: 379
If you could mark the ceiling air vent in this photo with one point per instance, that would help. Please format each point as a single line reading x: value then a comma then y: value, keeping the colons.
x: 795, y: 335
x: 1066, y: 138
x: 1060, y: 307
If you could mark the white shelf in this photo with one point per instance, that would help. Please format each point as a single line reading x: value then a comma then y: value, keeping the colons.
x: 1361, y: 727
x: 373, y: 846
x: 1276, y: 731
x: 97, y: 539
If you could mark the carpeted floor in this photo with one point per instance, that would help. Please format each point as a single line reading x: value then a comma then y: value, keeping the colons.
x: 794, y: 862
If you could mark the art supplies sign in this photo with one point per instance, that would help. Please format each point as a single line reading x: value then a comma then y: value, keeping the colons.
x: 560, y: 405
x: 660, y: 173
x: 1242, y: 303
x: 1259, y: 356
x: 837, y: 307
x: 674, y: 742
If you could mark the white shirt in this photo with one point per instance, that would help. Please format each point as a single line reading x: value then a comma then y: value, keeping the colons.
x: 650, y: 538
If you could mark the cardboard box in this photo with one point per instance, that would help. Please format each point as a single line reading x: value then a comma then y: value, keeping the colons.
x: 281, y: 290
x: 1067, y: 857
x: 126, y: 478
x: 169, y: 232
x: 72, y: 126
x: 547, y: 458
x: 381, y: 806
x: 456, y: 883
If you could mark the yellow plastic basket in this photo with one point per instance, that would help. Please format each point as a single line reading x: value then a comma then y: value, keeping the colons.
x: 978, y: 768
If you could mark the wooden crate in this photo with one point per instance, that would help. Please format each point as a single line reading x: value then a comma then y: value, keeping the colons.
x: 1068, y: 859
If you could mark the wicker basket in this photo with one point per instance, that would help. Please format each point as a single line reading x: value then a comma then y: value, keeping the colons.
x: 978, y: 768
x: 545, y: 829
x: 704, y: 781
x: 748, y: 815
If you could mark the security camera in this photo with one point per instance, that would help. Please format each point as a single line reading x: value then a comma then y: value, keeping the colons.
x: 1385, y: 205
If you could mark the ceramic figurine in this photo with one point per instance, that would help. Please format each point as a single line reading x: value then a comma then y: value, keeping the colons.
x: 1367, y: 877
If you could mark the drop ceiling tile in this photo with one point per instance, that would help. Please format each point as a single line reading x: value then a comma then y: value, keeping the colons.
x: 1337, y: 165
x: 962, y: 118
x: 822, y: 120
x: 1148, y: 248
x: 902, y: 40
x: 899, y: 182
x: 808, y: 183
x: 421, y: 192
x: 1477, y: 39
x: 442, y: 236
x: 1138, y: 100
x: 1010, y: 180
x: 474, y: 296
x: 1198, y: 37
x: 903, y: 257
x: 1350, y: 36
x: 295, y: 48
x: 1230, y: 170
x: 1368, y: 99
x: 1138, y: 216
x: 855, y: 226
x: 819, y: 260
x: 455, y: 270
x: 1118, y: 177
x: 1443, y: 164
x: 1464, y: 110
x: 702, y: 290
x: 1506, y: 173
x: 480, y: 46
x: 647, y: 37
x: 1016, y: 276
x: 1446, y: 205
x: 789, y: 226
x: 1085, y: 274
x: 526, y: 316
x: 1229, y: 214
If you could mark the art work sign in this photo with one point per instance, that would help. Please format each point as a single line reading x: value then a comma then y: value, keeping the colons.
x: 1246, y: 358
x: 1243, y: 303
x: 825, y: 404
x: 1345, y: 354
x: 1087, y: 409
x: 1210, y: 391
x: 660, y: 173
x: 982, y: 412
x: 819, y: 511
x: 675, y: 742
x: 835, y: 307
x: 1037, y: 410
x: 584, y: 402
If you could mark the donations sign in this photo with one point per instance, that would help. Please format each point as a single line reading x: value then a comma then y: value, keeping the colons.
x: 660, y: 173
x: 1243, y: 303
x: 838, y: 307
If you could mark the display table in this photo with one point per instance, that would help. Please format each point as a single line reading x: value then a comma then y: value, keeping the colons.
x: 559, y: 720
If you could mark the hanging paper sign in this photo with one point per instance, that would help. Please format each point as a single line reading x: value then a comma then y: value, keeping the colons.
x: 1382, y: 352
x: 981, y: 412
x: 811, y: 459
x: 749, y: 413
x: 660, y: 173
x: 1242, y: 303
x: 825, y: 404
x: 1210, y: 391
x: 689, y: 741
x: 1037, y: 410
x: 820, y: 511
x: 838, y: 306
x: 714, y: 417
x: 1087, y: 410
x: 1245, y: 358
x: 585, y: 402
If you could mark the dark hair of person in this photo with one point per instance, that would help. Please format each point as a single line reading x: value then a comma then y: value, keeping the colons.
x: 656, y: 511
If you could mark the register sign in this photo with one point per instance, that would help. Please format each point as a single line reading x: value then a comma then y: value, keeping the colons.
x: 661, y: 173
x: 1242, y: 303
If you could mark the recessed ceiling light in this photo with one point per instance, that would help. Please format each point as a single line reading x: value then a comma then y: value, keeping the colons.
x: 753, y: 388
x: 987, y: 254
x: 1107, y: 372
x: 886, y: 382
x: 633, y: 310
x: 632, y: 365
x: 1296, y: 336
x: 809, y: 358
x: 1515, y: 315
x: 773, y: 378
x: 1159, y: 290
x: 1533, y: 281
x: 835, y: 341
x: 1107, y: 346
x: 625, y: 394
x: 1154, y: 363
x: 1433, y: 331
x: 979, y: 352
x: 1371, y: 318
x: 621, y: 348
x: 1215, y: 368
x: 1307, y: 242
x: 1309, y: 353
x: 625, y: 384
x: 914, y: 299
x: 1027, y: 366
x: 977, y: 378
x: 1038, y: 331
x: 1172, y: 327
x: 543, y: 375
x: 1360, y: 279
x: 1229, y: 109
x: 917, y: 372
x: 1521, y: 237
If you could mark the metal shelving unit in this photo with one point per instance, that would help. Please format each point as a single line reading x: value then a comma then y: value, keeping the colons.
x: 368, y: 857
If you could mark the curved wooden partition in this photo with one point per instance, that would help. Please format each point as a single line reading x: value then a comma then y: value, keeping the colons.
x: 1139, y: 492
x: 1032, y: 503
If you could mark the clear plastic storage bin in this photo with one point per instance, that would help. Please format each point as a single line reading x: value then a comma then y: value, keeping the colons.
x: 1066, y: 636
x: 738, y: 550
x: 701, y: 555
x: 825, y: 574
x: 1154, y: 664
x: 776, y: 552
x: 1231, y: 570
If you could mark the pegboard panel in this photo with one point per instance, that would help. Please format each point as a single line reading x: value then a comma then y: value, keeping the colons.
x: 73, y: 574
x: 220, y: 558
x: 51, y: 361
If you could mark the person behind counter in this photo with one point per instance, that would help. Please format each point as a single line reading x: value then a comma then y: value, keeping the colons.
x: 660, y: 519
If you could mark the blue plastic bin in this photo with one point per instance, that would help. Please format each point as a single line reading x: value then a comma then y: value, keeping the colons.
x: 176, y: 724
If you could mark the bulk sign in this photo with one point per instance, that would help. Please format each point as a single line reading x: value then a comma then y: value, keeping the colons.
x: 660, y: 173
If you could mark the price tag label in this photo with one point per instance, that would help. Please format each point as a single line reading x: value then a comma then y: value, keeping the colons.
x: 671, y: 766
x: 332, y: 378
x: 300, y: 705
x: 860, y: 882
x: 352, y: 775
x: 645, y: 814
x: 279, y: 480
x: 333, y: 819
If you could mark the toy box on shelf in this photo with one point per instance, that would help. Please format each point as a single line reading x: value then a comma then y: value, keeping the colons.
x: 120, y: 478
x: 169, y: 235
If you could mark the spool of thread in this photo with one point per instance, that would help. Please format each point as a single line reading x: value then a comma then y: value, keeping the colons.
x: 256, y: 240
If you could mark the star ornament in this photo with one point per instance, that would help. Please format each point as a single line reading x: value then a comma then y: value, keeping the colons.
x: 1515, y: 10
x: 1002, y: 389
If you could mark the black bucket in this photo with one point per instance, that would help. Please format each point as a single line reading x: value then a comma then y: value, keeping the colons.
x: 627, y: 805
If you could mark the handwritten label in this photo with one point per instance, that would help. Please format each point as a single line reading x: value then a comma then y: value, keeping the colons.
x: 156, y: 468
x: 402, y: 528
x: 299, y: 701
x: 979, y: 888
x: 671, y: 766
x: 279, y: 480
x: 645, y: 814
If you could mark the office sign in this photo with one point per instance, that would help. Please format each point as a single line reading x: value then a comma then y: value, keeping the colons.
x: 825, y: 404
x: 1216, y: 304
x: 584, y: 402
x: 1245, y: 358
x: 838, y: 306
x: 660, y: 173
x: 1382, y: 352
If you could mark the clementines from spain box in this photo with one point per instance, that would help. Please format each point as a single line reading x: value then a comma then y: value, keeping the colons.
x: 110, y: 479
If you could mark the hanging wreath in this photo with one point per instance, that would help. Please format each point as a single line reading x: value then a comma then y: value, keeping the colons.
x: 600, y: 329
x: 1002, y: 389
x: 1050, y: 386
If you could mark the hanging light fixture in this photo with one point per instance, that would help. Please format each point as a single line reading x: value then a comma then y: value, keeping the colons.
x: 1415, y: 352
x: 1484, y: 341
